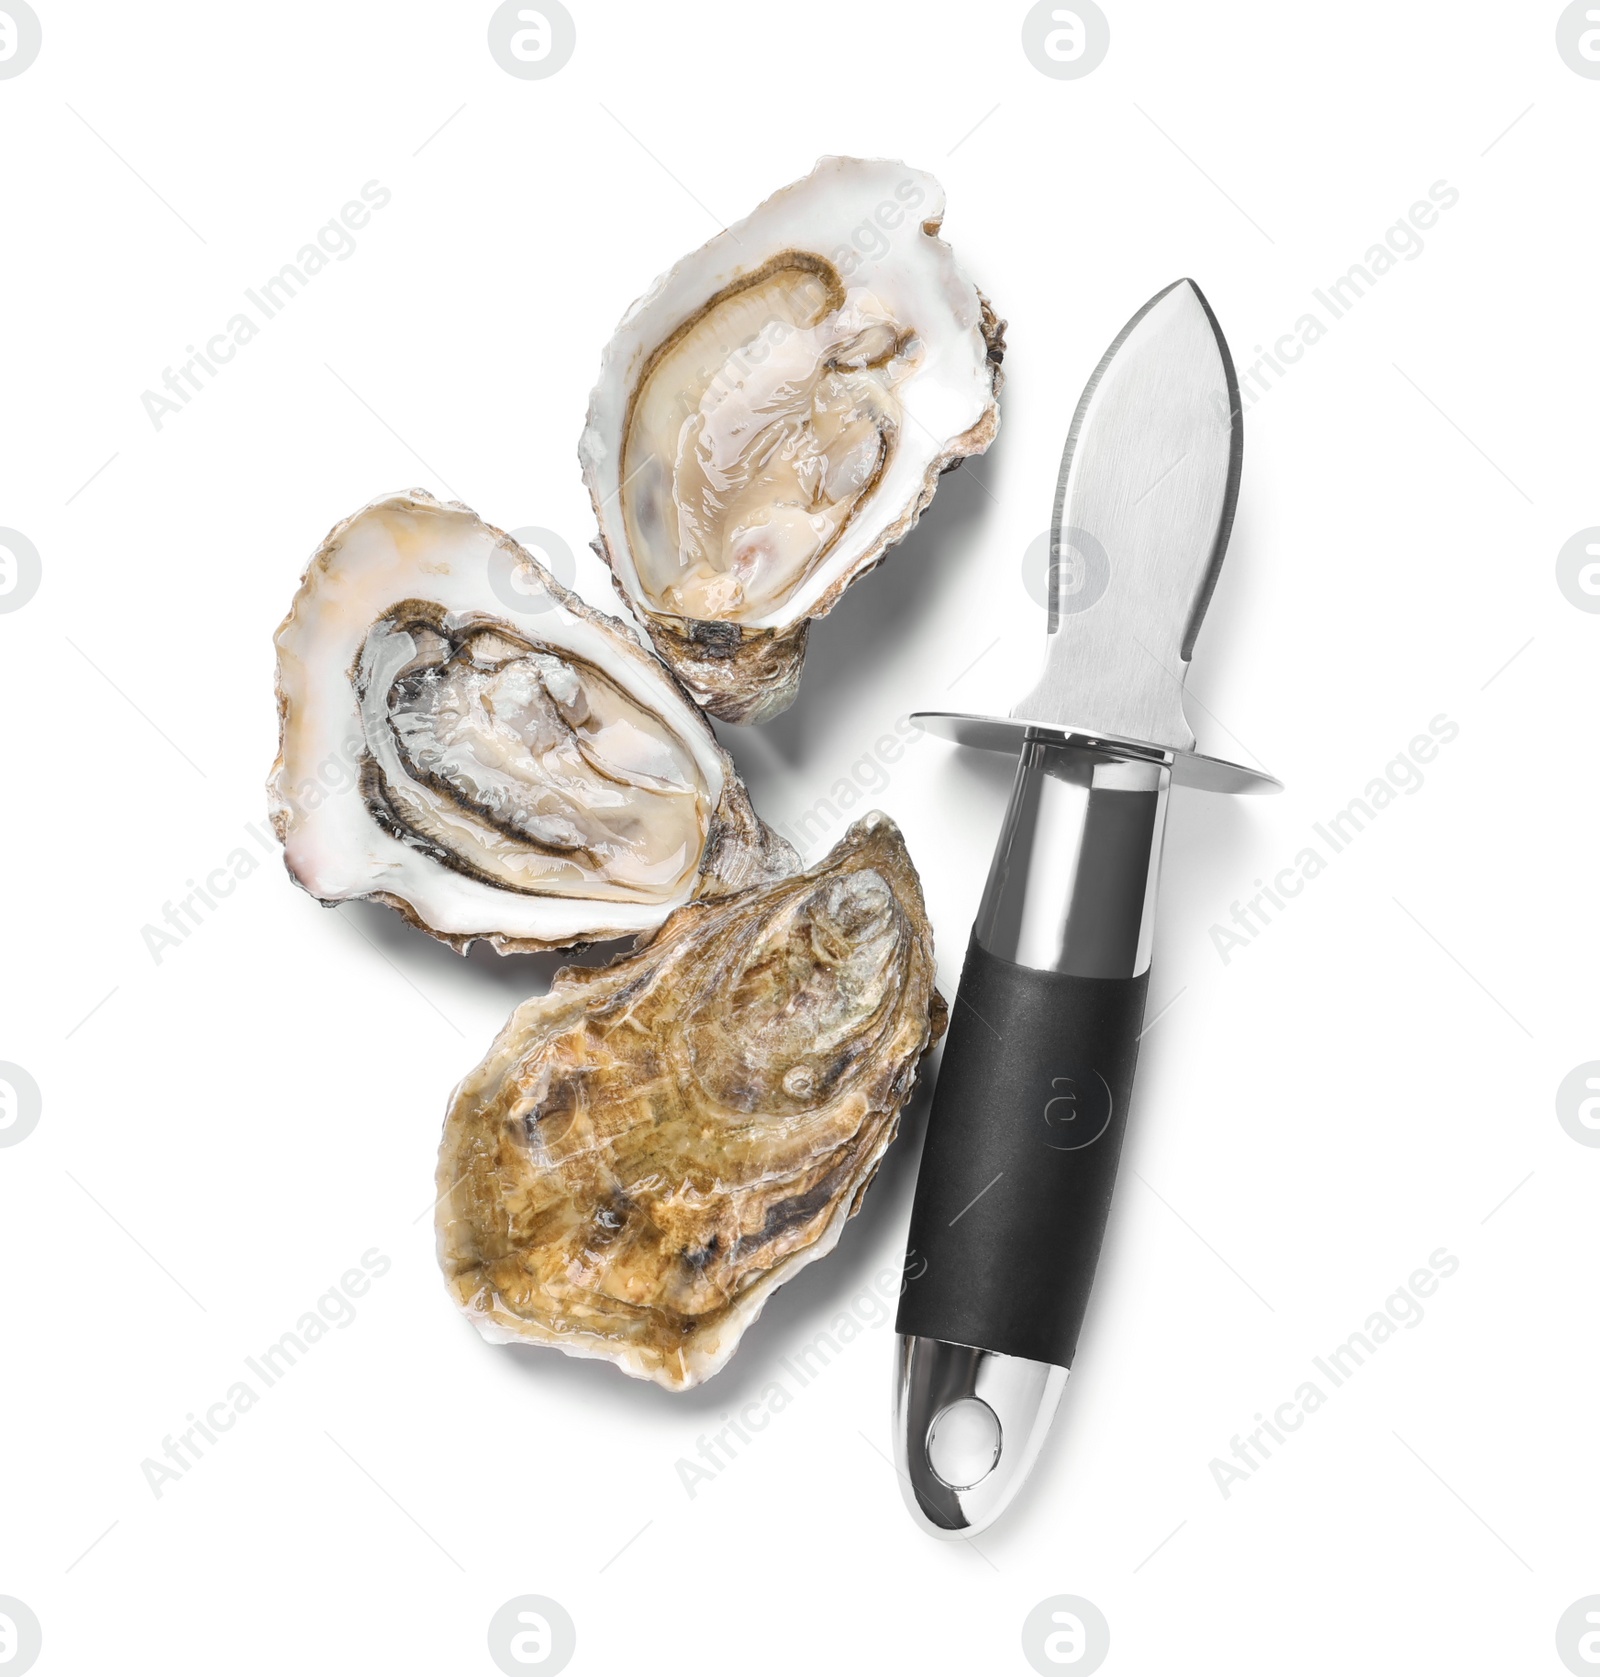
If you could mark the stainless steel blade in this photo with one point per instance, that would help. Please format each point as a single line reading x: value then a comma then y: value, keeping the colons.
x: 1143, y: 510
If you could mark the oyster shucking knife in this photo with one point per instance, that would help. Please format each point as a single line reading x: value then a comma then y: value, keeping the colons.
x: 1028, y: 1117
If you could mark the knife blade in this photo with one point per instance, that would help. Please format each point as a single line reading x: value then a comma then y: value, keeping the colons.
x: 1027, y: 1121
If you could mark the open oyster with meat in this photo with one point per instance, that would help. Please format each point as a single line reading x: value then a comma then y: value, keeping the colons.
x: 774, y: 414
x: 467, y: 741
x: 650, y: 1149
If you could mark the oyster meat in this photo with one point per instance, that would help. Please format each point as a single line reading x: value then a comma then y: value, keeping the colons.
x: 534, y: 777
x: 650, y: 1149
x: 773, y: 415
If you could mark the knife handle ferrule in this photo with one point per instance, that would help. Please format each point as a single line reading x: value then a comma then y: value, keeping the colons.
x: 1072, y: 888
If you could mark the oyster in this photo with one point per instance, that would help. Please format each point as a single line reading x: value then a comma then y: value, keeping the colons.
x: 650, y: 1149
x: 773, y: 415
x: 536, y: 778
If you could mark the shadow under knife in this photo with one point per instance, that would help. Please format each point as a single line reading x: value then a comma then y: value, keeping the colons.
x: 884, y: 607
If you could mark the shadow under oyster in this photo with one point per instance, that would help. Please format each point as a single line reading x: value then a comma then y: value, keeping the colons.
x: 650, y: 1149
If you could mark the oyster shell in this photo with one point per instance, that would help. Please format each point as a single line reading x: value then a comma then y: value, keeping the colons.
x: 536, y: 778
x: 650, y: 1149
x: 773, y: 415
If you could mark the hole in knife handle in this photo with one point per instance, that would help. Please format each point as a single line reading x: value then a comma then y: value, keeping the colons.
x: 963, y: 1443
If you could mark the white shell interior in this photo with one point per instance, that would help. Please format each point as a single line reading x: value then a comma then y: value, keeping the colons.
x: 410, y: 547
x: 868, y: 221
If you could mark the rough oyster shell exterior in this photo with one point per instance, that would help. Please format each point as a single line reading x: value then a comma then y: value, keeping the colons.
x: 650, y: 1149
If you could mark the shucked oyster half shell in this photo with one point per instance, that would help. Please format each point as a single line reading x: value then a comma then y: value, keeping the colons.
x: 773, y: 415
x: 650, y: 1149
x: 533, y: 777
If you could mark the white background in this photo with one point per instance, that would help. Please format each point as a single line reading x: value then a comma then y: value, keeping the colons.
x: 1365, y: 1083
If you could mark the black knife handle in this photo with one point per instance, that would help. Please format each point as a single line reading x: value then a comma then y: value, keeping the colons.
x: 1021, y: 1157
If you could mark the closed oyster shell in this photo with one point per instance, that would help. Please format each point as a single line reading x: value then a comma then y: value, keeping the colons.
x: 774, y: 414
x: 650, y: 1149
x: 534, y: 777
